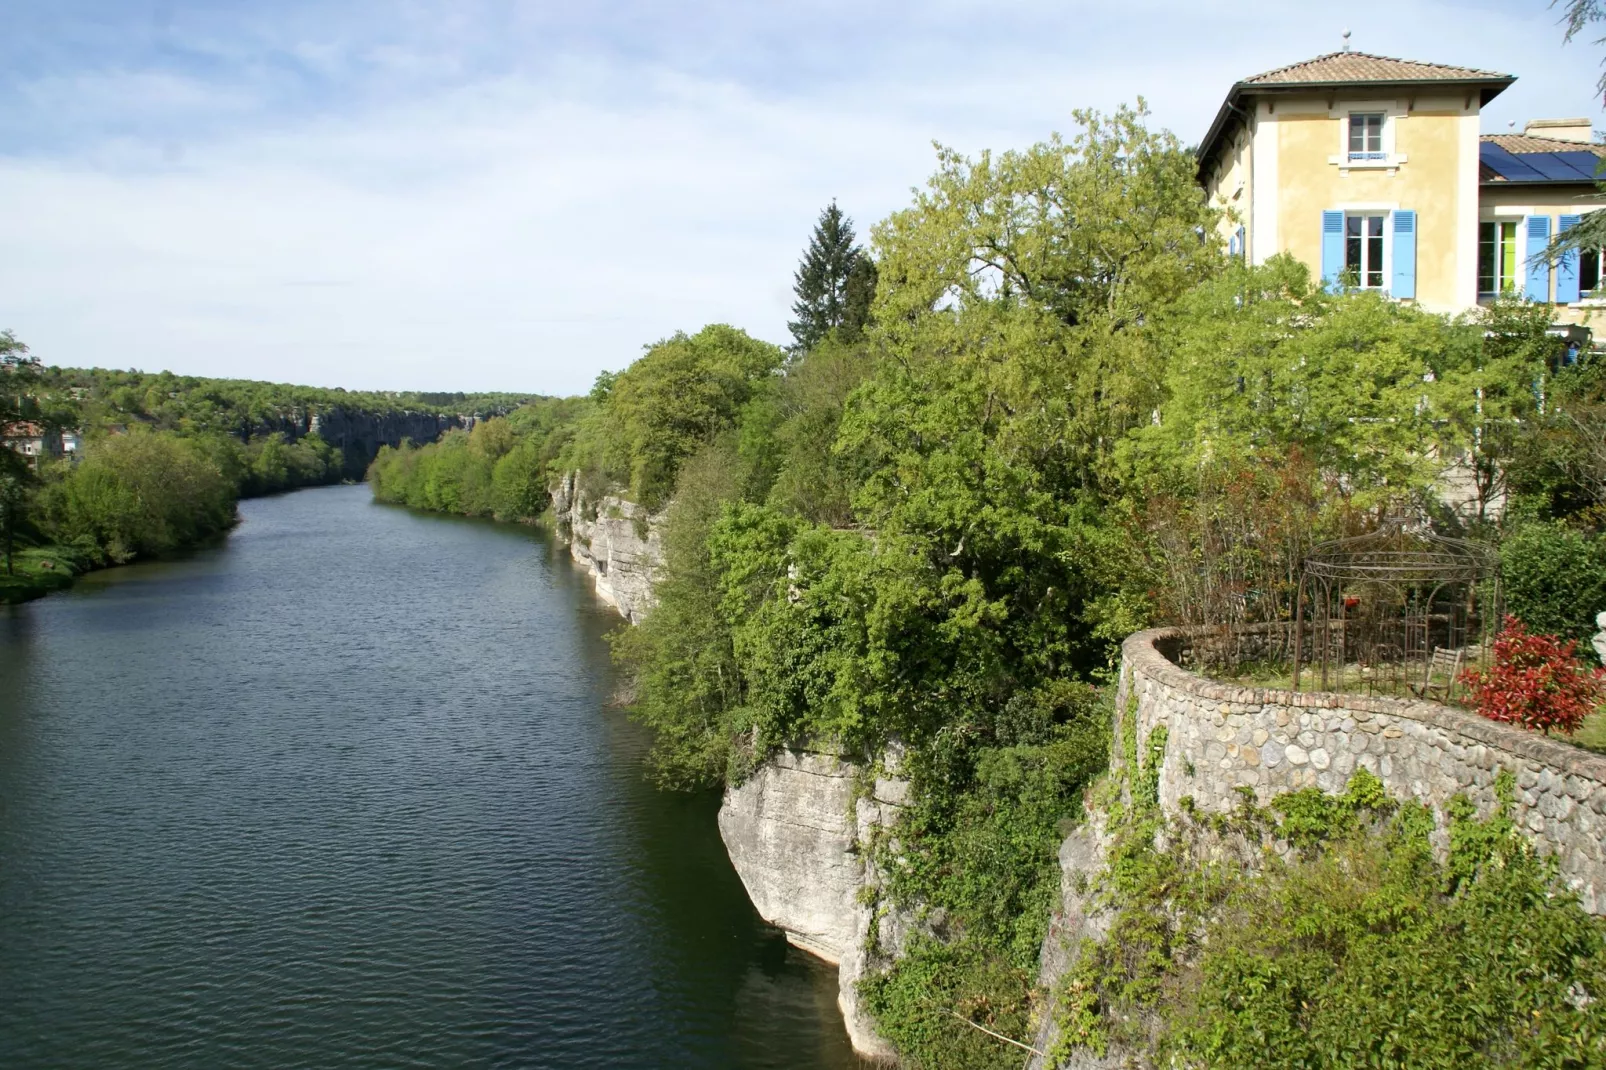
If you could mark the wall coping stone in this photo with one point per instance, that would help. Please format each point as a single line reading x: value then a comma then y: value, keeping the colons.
x: 1140, y: 652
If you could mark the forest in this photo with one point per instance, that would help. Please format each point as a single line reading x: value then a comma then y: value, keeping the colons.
x: 1065, y: 415
x: 159, y: 460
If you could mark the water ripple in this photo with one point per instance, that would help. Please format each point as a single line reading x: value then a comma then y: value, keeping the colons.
x: 345, y: 793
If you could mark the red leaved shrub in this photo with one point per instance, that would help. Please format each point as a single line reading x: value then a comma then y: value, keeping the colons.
x: 1536, y: 681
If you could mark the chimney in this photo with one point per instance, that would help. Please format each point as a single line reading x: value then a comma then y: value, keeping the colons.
x: 1578, y: 130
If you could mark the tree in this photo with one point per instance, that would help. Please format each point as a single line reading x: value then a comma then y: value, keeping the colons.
x: 834, y: 282
x: 1104, y: 227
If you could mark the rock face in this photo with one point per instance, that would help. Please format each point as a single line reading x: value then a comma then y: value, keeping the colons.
x: 357, y: 433
x: 617, y: 541
x: 797, y: 832
x: 1077, y: 917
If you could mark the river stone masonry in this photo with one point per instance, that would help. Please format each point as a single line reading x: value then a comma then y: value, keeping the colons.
x: 796, y: 831
x: 1222, y: 737
x: 617, y: 541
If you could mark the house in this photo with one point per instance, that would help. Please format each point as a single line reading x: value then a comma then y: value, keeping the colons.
x: 33, y: 441
x: 1375, y: 169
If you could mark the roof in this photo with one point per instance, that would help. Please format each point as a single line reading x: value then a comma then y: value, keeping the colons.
x: 1574, y: 166
x: 1520, y: 143
x: 1349, y: 67
x: 1340, y: 69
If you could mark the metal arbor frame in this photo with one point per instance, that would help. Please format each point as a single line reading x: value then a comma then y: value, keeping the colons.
x: 1387, y: 600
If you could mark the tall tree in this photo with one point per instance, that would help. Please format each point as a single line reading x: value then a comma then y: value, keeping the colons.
x: 833, y: 282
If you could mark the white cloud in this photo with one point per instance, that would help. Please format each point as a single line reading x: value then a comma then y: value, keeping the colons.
x: 440, y: 223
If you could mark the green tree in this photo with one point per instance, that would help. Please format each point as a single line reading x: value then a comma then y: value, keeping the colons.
x: 833, y: 282
x: 1108, y: 226
x: 13, y: 500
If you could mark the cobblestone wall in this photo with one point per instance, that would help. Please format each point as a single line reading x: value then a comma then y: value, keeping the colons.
x: 1221, y: 737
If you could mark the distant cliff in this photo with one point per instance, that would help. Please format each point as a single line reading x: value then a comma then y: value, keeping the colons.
x: 358, y: 433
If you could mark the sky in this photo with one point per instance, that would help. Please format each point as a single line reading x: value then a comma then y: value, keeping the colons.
x: 499, y: 195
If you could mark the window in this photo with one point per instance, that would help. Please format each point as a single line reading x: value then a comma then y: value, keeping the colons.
x: 1366, y: 136
x: 1497, y: 258
x: 1363, y: 250
x: 1589, y: 272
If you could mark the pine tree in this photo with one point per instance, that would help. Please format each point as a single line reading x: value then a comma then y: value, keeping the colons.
x: 834, y: 282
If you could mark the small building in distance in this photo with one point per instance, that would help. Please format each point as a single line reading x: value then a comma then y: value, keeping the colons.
x: 1375, y: 169
x: 34, y: 441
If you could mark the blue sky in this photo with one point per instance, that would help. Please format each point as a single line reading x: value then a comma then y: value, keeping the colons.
x: 482, y: 194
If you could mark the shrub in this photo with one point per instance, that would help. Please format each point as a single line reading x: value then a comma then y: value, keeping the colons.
x: 1536, y: 681
x: 1554, y: 579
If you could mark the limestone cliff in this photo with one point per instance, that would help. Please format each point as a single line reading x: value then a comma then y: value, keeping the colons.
x: 1076, y: 917
x: 617, y: 541
x: 357, y: 433
x: 797, y: 832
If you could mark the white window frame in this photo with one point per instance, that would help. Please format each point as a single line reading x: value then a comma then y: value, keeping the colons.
x: 1391, y: 110
x: 1502, y: 215
x: 1387, y: 266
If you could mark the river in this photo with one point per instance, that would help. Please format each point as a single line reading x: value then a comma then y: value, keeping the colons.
x: 346, y: 791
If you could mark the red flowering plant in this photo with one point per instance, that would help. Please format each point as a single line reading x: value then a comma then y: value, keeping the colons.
x: 1536, y: 681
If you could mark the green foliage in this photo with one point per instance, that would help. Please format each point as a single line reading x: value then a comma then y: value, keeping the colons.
x: 1359, y: 950
x: 685, y: 682
x: 834, y: 283
x: 1554, y: 579
x: 503, y: 467
x: 143, y: 493
x: 975, y: 857
x: 1103, y: 227
x: 681, y: 395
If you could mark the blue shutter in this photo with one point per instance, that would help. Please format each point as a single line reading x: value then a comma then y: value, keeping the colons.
x: 1243, y: 246
x: 1538, y: 286
x: 1332, y: 248
x: 1567, y: 269
x: 1403, y: 284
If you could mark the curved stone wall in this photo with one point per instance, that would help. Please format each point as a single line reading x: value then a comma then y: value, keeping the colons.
x: 1221, y: 737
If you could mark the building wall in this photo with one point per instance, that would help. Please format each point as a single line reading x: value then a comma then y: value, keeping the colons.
x: 1515, y: 203
x: 1231, y: 189
x: 1433, y: 180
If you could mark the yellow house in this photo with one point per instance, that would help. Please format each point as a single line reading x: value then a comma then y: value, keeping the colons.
x: 1374, y: 170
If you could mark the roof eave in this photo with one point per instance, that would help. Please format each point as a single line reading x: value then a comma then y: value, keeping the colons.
x: 1488, y: 89
x: 1583, y: 183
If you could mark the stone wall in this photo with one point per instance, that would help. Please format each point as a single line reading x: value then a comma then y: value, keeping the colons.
x: 795, y: 831
x: 616, y: 541
x: 1221, y: 737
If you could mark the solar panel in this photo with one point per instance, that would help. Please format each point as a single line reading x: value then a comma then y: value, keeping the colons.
x: 1538, y: 166
x: 1506, y: 165
x: 1585, y: 163
x: 1551, y: 166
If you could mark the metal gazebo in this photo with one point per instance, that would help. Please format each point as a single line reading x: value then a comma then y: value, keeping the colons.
x: 1396, y: 611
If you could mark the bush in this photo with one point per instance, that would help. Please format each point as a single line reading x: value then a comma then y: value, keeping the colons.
x: 1554, y: 579
x: 141, y: 494
x: 1536, y: 682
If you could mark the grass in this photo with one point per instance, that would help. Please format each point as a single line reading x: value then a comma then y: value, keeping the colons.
x: 36, y: 572
x: 1592, y: 736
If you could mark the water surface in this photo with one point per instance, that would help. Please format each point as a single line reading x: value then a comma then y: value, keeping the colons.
x: 346, y: 792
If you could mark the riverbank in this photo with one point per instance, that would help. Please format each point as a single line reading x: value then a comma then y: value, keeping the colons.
x: 39, y: 570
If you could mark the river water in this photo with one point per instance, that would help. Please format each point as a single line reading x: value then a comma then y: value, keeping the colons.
x: 346, y: 792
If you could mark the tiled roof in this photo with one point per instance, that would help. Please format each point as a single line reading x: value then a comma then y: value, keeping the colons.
x: 1519, y: 143
x: 1363, y: 67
